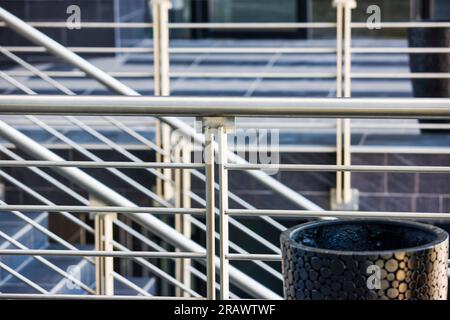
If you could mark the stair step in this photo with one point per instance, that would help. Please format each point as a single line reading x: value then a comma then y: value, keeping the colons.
x: 50, y: 280
x: 148, y: 284
x: 24, y: 233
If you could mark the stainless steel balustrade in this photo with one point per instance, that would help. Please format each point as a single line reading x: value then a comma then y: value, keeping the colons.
x: 252, y: 234
x: 438, y: 109
x: 421, y: 109
x: 40, y: 39
x: 72, y: 59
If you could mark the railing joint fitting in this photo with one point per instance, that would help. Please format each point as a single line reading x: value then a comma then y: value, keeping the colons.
x: 228, y: 123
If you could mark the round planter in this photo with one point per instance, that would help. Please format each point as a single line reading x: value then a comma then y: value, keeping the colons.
x: 426, y: 62
x: 365, y: 259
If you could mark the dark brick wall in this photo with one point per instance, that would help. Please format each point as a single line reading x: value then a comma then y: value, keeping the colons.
x: 59, y: 224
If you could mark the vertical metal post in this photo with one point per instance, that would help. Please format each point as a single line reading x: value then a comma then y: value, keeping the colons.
x: 178, y: 217
x: 104, y: 266
x: 339, y: 65
x: 160, y: 16
x: 223, y: 206
x: 343, y: 195
x: 210, y: 213
x: 186, y: 203
x: 161, y: 66
x: 349, y: 5
x: 182, y: 199
x: 156, y: 82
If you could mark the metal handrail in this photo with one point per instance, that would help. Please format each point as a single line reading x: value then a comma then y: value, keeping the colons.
x: 30, y: 296
x: 96, y: 253
x: 100, y: 164
x: 103, y: 209
x: 227, y: 107
x: 181, y: 25
x: 341, y: 214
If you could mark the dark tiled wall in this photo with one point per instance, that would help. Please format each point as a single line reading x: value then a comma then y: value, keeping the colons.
x: 59, y: 224
x: 420, y: 192
x: 378, y: 191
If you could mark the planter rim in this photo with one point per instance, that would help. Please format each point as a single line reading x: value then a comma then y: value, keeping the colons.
x: 441, y: 236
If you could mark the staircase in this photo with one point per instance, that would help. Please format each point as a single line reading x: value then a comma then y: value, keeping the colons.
x: 149, y: 233
x: 42, y: 275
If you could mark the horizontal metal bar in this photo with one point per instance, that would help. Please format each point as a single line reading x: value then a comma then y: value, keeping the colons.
x: 182, y: 74
x: 235, y: 25
x: 82, y: 49
x: 250, y: 257
x: 339, y: 168
x: 255, y: 50
x: 238, y: 50
x: 251, y: 75
x: 89, y: 25
x: 401, y: 149
x: 406, y: 25
x: 399, y: 50
x: 80, y: 74
x: 252, y: 25
x: 338, y: 214
x: 244, y: 107
x: 27, y: 296
x: 105, y: 209
x: 390, y: 75
x: 100, y: 164
x: 180, y: 25
x: 291, y: 148
x: 94, y: 253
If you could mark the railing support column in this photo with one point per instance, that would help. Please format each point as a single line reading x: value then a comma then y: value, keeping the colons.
x: 343, y: 197
x: 210, y: 211
x: 223, y: 206
x: 161, y: 66
x: 104, y: 266
x: 186, y: 203
x: 219, y: 126
x: 182, y: 154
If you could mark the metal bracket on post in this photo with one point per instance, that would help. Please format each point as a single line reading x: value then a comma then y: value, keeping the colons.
x: 228, y: 123
x: 352, y: 205
x: 104, y: 266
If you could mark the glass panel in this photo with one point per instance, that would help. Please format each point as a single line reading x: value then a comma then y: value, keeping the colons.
x: 254, y: 11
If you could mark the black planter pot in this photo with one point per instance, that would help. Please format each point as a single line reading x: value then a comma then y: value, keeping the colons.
x: 365, y: 259
x: 426, y: 62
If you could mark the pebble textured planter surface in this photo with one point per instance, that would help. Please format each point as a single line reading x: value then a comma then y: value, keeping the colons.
x: 365, y: 259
